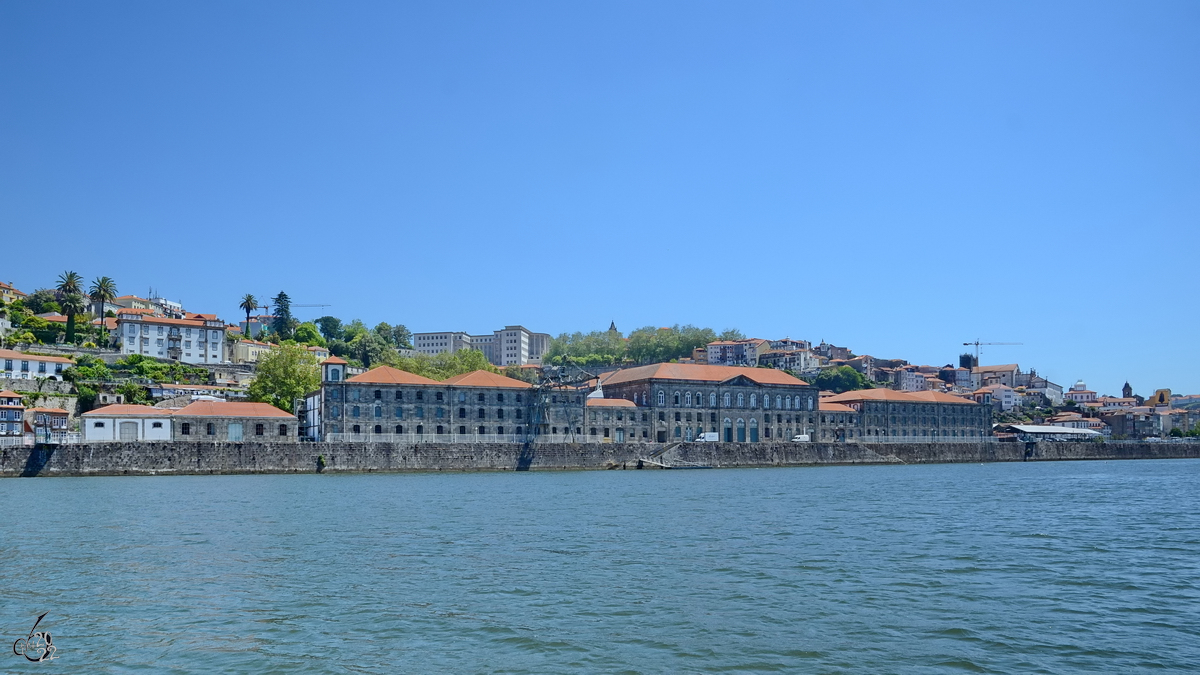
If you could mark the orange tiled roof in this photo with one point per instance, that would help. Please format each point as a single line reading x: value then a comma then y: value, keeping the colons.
x: 127, y: 410
x: 827, y: 406
x: 897, y: 396
x: 389, y: 375
x: 483, y: 378
x: 13, y: 354
x: 230, y: 409
x: 701, y: 373
x: 55, y: 411
x: 609, y: 403
x: 9, y: 394
x: 334, y: 360
x: 56, y: 318
x: 1007, y: 366
x: 194, y: 323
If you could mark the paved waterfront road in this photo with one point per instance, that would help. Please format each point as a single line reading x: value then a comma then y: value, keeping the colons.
x: 1086, y: 567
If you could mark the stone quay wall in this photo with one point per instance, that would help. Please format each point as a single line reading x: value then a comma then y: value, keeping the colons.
x: 114, y: 459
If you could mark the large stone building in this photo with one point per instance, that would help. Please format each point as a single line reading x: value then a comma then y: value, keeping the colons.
x: 886, y: 414
x: 386, y: 404
x: 740, y: 404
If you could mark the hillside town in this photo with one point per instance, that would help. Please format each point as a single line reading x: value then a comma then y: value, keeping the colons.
x: 88, y: 365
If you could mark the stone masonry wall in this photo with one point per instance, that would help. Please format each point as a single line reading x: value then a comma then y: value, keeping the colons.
x: 238, y: 458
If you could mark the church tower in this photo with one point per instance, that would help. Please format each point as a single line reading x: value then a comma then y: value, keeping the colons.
x: 1127, y: 391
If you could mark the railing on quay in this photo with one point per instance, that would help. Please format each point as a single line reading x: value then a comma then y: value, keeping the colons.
x: 451, y: 438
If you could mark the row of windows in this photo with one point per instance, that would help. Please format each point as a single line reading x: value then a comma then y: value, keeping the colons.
x: 419, y: 395
x: 440, y: 430
x: 728, y: 400
x: 41, y: 366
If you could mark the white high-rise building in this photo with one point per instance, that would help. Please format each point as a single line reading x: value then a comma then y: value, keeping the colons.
x: 513, y: 345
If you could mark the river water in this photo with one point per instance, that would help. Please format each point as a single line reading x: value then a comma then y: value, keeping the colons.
x: 1086, y: 567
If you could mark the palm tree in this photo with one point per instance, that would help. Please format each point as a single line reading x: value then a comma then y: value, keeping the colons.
x: 249, y: 303
x: 104, y: 290
x: 69, y: 282
x: 72, y: 304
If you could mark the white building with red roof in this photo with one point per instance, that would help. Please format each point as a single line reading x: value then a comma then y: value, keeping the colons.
x: 197, y: 339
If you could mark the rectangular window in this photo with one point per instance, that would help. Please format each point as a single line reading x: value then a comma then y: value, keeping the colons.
x: 185, y: 429
x: 258, y: 430
x: 283, y: 430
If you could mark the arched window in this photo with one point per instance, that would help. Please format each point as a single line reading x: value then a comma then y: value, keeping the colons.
x: 354, y: 411
x: 787, y: 403
x: 678, y: 432
x: 699, y: 399
x: 810, y: 403
x: 499, y: 413
x: 766, y: 402
x: 687, y: 399
x: 378, y: 411
x: 481, y: 413
x: 712, y: 400
x: 441, y: 429
x: 335, y: 411
x: 379, y: 428
x: 753, y: 400
x: 335, y: 374
x: 482, y: 430
x: 420, y: 429
x: 778, y: 401
x: 357, y: 429
x: 399, y: 428
x: 675, y: 399
x: 726, y: 400
x: 662, y: 398
x: 741, y: 400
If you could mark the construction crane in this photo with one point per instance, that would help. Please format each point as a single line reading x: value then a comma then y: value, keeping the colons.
x: 977, y: 343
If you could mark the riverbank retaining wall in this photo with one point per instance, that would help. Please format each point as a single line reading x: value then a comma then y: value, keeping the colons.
x: 107, y: 459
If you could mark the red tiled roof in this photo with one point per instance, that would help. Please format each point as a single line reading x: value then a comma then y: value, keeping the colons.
x: 826, y: 406
x: 483, y: 378
x: 897, y: 396
x: 127, y: 410
x: 334, y: 360
x: 9, y: 394
x: 610, y: 403
x: 13, y: 354
x: 389, y: 375
x: 702, y: 373
x: 55, y: 411
x: 230, y: 409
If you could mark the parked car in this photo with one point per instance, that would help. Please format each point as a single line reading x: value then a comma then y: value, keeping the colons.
x: 800, y: 438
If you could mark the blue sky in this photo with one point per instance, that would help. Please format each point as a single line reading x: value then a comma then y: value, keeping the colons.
x: 898, y: 178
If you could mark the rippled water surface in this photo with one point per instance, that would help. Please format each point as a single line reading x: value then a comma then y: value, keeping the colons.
x: 1006, y: 568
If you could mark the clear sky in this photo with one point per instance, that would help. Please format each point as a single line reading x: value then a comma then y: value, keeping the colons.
x: 898, y: 178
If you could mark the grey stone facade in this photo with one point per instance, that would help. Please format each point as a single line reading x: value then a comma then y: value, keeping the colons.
x: 739, y: 404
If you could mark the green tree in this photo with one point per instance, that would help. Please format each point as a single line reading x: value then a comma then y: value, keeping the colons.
x: 133, y: 393
x: 282, y: 324
x: 1176, y: 432
x: 285, y: 374
x: 103, y: 290
x: 331, y: 327
x: 384, y: 330
x: 72, y: 304
x: 69, y: 282
x: 841, y: 379
x: 732, y: 335
x: 370, y: 349
x: 307, y: 333
x: 402, y: 336
x: 41, y: 301
x: 248, y: 304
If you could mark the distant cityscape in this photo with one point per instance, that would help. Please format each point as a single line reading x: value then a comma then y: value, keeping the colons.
x: 95, y: 366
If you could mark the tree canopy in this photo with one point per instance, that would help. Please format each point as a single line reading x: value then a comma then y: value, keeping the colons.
x: 644, y: 345
x: 841, y: 379
x: 285, y: 373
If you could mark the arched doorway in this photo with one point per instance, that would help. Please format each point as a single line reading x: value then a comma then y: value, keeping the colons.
x: 728, y: 436
x: 753, y: 430
x: 741, y: 430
